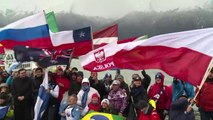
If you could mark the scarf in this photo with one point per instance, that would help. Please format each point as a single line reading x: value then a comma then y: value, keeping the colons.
x: 85, y: 95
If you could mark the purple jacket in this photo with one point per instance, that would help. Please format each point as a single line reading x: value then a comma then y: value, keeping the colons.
x: 118, y: 100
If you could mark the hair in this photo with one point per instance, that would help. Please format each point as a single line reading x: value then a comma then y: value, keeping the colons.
x: 75, y: 68
x: 22, y: 69
x: 75, y: 96
x: 37, y: 69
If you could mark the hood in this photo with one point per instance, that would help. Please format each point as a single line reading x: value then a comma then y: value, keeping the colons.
x: 161, y: 76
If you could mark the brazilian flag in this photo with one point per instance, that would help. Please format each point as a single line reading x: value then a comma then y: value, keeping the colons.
x: 101, y: 116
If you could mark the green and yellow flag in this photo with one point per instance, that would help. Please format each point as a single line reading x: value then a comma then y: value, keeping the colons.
x: 101, y: 116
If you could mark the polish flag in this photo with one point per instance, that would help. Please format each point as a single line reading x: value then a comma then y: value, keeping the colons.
x: 105, y: 36
x: 185, y: 55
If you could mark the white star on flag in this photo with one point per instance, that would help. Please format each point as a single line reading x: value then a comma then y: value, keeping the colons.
x: 82, y: 34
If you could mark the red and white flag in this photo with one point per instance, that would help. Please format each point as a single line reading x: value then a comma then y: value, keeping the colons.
x: 185, y: 55
x: 105, y: 36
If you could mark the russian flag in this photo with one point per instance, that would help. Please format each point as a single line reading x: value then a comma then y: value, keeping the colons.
x: 42, y: 99
x: 30, y: 31
x: 3, y: 111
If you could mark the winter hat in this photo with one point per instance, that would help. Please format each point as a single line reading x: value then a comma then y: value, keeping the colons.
x: 159, y: 75
x: 80, y: 73
x: 105, y: 101
x: 3, y: 85
x: 107, y: 75
x: 85, y: 80
x: 116, y: 82
x: 137, y: 79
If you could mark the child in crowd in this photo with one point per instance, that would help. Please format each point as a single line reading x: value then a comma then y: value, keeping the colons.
x: 105, y: 106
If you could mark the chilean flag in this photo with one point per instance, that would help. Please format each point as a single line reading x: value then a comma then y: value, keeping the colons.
x: 105, y: 36
x: 184, y: 55
x: 30, y: 31
x: 79, y: 40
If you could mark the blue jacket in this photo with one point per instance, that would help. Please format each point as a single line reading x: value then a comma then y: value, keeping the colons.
x: 179, y: 88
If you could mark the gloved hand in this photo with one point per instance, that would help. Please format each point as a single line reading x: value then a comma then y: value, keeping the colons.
x: 143, y: 72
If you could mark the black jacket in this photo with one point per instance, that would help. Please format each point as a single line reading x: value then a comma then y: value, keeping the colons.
x: 22, y: 87
x: 177, y: 110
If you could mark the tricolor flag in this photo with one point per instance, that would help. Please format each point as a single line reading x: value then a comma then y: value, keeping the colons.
x: 42, y: 99
x: 184, y: 55
x: 3, y: 111
x: 105, y: 36
x: 30, y: 31
x: 92, y: 115
x: 79, y: 40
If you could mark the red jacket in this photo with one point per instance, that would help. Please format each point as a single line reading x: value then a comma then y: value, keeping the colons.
x: 205, y: 97
x: 165, y: 96
x: 153, y: 116
x: 66, y: 85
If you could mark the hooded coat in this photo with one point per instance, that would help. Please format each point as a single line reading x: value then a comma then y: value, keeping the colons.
x: 158, y: 89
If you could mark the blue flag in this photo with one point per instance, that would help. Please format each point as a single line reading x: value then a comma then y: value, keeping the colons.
x: 42, y: 99
x: 3, y: 111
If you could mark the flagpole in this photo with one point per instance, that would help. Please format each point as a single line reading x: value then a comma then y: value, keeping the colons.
x: 91, y: 33
x: 204, y: 79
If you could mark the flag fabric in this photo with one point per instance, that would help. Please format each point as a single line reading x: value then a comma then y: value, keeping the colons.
x: 30, y: 31
x: 43, y: 57
x: 80, y: 40
x: 13, y: 66
x: 105, y: 36
x: 3, y: 111
x: 42, y: 99
x: 184, y: 55
x: 51, y: 20
x: 2, y: 49
x: 132, y: 39
x: 92, y: 115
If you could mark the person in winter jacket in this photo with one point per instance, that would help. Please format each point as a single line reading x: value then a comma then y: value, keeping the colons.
x: 37, y: 80
x: 107, y: 81
x: 22, y: 93
x: 147, y: 112
x: 205, y: 98
x: 97, y: 84
x: 181, y: 109
x: 61, y: 81
x: 51, y: 113
x: 76, y: 83
x: 72, y: 112
x: 137, y: 93
x: 180, y: 87
x: 161, y: 95
x: 95, y: 104
x: 85, y: 94
x: 105, y: 106
x: 117, y: 98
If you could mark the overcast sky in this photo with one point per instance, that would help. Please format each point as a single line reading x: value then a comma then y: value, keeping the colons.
x: 103, y: 8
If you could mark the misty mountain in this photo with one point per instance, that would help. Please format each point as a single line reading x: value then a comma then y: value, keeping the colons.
x: 131, y: 25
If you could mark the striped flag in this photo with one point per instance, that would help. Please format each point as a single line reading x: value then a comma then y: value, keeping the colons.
x: 105, y: 36
x: 30, y: 31
x: 184, y: 55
